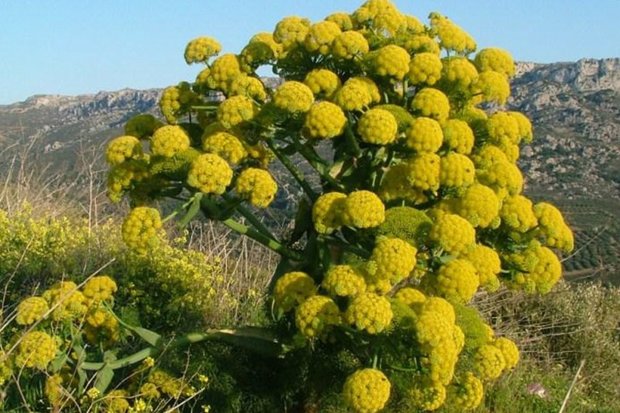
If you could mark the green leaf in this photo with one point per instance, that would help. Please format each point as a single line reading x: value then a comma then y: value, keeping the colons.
x: 147, y: 335
x: 58, y: 362
x: 104, y: 378
x: 193, y: 209
x: 82, y: 377
x: 256, y: 339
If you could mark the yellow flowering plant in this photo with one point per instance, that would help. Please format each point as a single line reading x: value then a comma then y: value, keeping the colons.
x: 375, y: 115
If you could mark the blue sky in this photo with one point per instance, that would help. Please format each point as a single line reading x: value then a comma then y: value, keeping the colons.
x: 75, y: 47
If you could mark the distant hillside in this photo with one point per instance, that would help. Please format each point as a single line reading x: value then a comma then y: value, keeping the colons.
x: 575, y: 157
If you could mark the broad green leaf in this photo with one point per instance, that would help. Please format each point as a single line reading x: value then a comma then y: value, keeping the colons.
x: 104, y: 378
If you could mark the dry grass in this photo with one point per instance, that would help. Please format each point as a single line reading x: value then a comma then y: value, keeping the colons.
x: 573, y: 323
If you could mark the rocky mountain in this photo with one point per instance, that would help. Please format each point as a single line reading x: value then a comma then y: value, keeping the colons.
x: 575, y: 108
x: 575, y: 156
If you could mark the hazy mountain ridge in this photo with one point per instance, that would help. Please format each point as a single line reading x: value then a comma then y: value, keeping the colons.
x: 574, y: 159
x: 575, y: 108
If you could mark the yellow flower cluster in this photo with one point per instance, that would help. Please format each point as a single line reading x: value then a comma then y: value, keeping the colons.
x: 456, y: 170
x: 223, y: 71
x: 210, y: 174
x: 292, y: 289
x: 257, y: 186
x: 122, y: 148
x: 140, y: 229
x: 349, y: 45
x: 322, y: 82
x: 467, y: 393
x: 356, y: 94
x: 424, y: 135
x: 453, y: 233
x: 489, y: 362
x: 366, y: 390
x: 31, y: 310
x: 201, y: 49
x: 261, y: 49
x: 492, y: 87
x: 321, y: 36
x: 98, y: 289
x: 431, y: 103
x: 169, y: 140
x: 423, y: 171
x: 518, y: 213
x: 410, y: 296
x: 67, y: 301
x: 495, y: 59
x: 363, y: 209
x: 438, y: 338
x: 116, y: 401
x: 327, y: 212
x: 343, y: 281
x: 390, y: 61
x: 293, y: 97
x: 451, y: 36
x: 479, y: 205
x: 509, y: 350
x: 291, y: 31
x: 225, y: 145
x: 499, y: 174
x: 170, y: 104
x: 53, y: 389
x: 377, y: 126
x: 487, y: 264
x: 36, y: 350
x: 457, y: 281
x: 167, y: 384
x: 551, y: 224
x: 392, y: 259
x: 458, y: 136
x: 235, y: 110
x: 396, y: 185
x: 122, y: 177
x: 324, y: 120
x: 420, y: 43
x: 426, y: 394
x: 316, y: 315
x: 525, y: 126
x: 343, y: 20
x: 425, y: 69
x: 459, y: 73
x: 101, y: 327
x: 248, y: 86
x: 176, y: 101
x: 540, y: 269
x: 369, y: 312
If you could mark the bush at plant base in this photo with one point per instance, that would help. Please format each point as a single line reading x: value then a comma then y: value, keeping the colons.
x: 417, y: 207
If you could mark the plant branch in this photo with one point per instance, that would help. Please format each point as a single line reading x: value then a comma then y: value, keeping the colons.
x: 261, y: 238
x: 297, y: 174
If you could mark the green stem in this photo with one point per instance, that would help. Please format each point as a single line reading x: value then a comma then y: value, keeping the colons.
x: 360, y: 252
x: 350, y: 137
x: 314, y: 164
x: 263, y: 239
x: 252, y: 219
x: 191, y: 200
x: 297, y: 174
